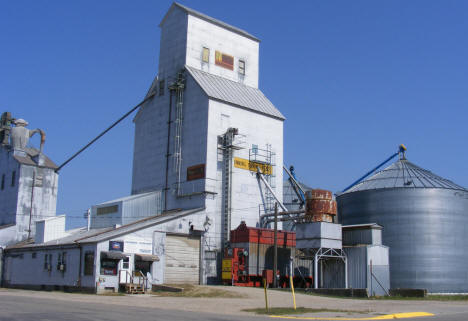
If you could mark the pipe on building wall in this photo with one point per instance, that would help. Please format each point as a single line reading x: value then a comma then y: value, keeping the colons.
x: 32, y: 202
x: 166, y: 187
x: 78, y: 282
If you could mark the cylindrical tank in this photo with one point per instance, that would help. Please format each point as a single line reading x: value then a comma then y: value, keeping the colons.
x: 320, y: 206
x: 425, y: 225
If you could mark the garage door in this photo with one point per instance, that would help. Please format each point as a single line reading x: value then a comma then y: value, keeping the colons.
x: 182, y: 256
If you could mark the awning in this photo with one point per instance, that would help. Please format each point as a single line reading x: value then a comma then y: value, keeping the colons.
x: 113, y: 255
x: 146, y: 257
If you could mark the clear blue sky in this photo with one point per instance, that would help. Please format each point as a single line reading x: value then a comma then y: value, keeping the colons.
x: 354, y: 79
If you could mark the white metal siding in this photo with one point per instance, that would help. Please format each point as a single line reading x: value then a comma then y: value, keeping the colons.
x: 182, y: 260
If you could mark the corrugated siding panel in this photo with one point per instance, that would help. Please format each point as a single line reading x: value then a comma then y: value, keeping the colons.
x: 182, y: 256
x: 138, y: 208
x: 357, y: 267
x: 358, y: 236
x: 333, y: 271
x: 235, y: 93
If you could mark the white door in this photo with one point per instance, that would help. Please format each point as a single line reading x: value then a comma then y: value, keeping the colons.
x: 125, y: 270
x: 182, y: 256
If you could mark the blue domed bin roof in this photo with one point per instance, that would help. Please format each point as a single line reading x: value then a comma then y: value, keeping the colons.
x: 404, y: 174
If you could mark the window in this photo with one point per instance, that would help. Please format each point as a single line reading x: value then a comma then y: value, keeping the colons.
x: 242, y: 67
x: 107, y: 210
x: 161, y: 87
x: 206, y: 55
x: 13, y: 178
x: 3, y: 181
x: 109, y: 266
x: 125, y: 263
x: 33, y: 255
x: 254, y: 149
x: 61, y: 262
x: 48, y: 262
x: 89, y: 263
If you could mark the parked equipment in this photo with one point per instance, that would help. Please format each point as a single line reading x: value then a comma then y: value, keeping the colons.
x: 250, y: 258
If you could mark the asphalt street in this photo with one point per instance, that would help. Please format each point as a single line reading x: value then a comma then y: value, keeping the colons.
x: 18, y: 308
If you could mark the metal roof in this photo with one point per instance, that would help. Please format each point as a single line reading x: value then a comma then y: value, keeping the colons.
x: 209, y: 19
x: 29, y: 159
x: 362, y: 226
x: 82, y: 235
x: 234, y: 93
x: 404, y: 174
x: 129, y: 198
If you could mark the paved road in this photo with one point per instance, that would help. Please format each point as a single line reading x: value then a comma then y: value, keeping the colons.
x: 14, y: 308
x: 36, y: 308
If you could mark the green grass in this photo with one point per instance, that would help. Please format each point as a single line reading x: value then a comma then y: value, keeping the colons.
x: 299, y: 310
x: 427, y: 298
x: 455, y: 297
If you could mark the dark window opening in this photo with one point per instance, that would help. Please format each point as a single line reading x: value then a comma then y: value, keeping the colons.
x: 161, y: 87
x: 13, y: 178
x: 109, y: 266
x: 33, y: 255
x: 242, y: 67
x: 142, y: 266
x: 125, y: 263
x: 89, y: 263
x: 3, y: 182
x: 107, y: 210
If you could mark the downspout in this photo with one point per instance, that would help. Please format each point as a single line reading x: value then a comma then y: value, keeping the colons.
x: 166, y: 187
x: 2, y: 264
x: 32, y: 202
x: 78, y: 282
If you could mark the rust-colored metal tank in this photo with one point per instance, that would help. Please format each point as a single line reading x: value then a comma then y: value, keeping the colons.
x: 320, y: 206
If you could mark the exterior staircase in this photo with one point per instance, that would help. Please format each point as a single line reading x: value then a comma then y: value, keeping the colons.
x: 134, y: 288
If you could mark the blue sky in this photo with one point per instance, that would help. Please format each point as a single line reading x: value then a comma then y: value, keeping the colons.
x: 354, y: 79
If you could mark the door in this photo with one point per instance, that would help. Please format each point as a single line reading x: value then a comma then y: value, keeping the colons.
x: 182, y: 254
x: 125, y: 270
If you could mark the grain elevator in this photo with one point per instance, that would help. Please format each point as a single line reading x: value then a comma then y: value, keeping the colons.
x: 209, y: 129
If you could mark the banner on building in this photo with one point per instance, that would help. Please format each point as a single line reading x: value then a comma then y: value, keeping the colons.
x: 252, y: 166
x: 195, y: 172
x: 116, y: 246
x: 224, y: 60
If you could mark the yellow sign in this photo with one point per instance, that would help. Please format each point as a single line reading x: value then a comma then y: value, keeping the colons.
x: 252, y: 166
x: 227, y: 269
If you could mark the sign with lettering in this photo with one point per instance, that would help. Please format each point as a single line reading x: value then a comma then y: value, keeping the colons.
x: 224, y: 60
x: 195, y: 172
x: 116, y: 246
x: 252, y: 166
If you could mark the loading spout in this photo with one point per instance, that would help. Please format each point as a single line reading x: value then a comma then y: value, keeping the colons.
x: 43, y: 137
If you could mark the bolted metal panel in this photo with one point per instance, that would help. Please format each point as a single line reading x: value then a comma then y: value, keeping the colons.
x: 317, y: 235
x: 425, y: 229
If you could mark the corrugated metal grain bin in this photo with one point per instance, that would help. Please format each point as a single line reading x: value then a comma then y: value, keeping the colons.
x: 424, y: 219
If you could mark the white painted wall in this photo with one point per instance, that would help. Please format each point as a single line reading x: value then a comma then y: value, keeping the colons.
x: 50, y: 229
x: 15, y: 201
x: 9, y: 195
x: 201, y: 33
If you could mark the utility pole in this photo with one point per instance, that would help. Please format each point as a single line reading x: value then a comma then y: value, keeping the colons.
x: 275, y: 249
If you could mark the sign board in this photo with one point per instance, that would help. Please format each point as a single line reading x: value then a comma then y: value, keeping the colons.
x: 224, y: 60
x: 252, y: 166
x: 116, y: 246
x: 195, y: 172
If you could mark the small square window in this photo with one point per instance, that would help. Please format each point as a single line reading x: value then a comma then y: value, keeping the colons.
x: 254, y: 149
x: 206, y: 55
x: 242, y: 67
x: 161, y: 87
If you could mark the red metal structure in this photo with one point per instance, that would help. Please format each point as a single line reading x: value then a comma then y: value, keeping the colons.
x: 250, y: 258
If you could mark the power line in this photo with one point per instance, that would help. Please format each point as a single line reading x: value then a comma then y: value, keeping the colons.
x: 104, y: 132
